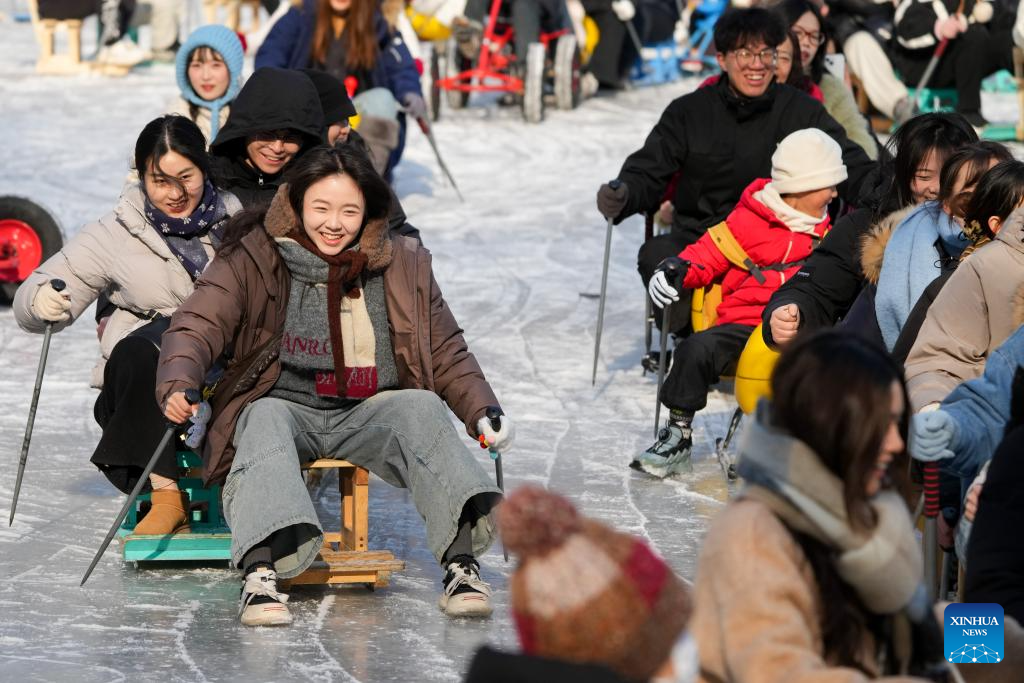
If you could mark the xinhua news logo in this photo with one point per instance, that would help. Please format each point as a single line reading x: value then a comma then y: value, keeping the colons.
x: 973, y: 633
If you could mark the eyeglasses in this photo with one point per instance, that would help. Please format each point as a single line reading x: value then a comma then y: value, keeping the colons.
x: 783, y: 58
x: 803, y: 36
x: 285, y: 135
x: 745, y: 57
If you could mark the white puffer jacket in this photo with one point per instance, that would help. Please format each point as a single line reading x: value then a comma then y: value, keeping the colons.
x: 123, y: 255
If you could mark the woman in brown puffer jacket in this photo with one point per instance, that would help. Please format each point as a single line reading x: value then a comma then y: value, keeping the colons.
x: 341, y: 347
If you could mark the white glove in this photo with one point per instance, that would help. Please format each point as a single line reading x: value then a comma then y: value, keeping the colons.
x: 51, y: 305
x: 197, y: 431
x: 500, y: 440
x: 982, y: 12
x: 681, y: 34
x: 662, y: 293
x: 623, y: 9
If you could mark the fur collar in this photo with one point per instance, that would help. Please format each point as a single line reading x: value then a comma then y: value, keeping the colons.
x: 872, y: 244
x: 374, y: 241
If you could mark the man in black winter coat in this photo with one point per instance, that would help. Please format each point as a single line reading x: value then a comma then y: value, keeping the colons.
x: 719, y: 139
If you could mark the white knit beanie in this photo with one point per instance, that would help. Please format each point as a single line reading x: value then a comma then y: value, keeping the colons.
x: 807, y: 160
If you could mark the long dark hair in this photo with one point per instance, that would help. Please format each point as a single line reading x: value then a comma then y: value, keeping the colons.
x: 941, y: 132
x: 833, y: 392
x: 797, y: 78
x: 318, y: 163
x: 791, y: 11
x: 975, y: 158
x: 359, y: 34
x: 170, y: 133
x: 999, y: 192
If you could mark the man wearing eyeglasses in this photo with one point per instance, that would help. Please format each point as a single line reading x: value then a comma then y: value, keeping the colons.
x: 718, y: 139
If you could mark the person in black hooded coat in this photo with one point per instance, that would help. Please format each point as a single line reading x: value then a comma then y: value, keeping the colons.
x: 274, y: 120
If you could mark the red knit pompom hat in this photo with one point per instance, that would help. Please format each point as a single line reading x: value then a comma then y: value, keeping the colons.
x: 586, y: 593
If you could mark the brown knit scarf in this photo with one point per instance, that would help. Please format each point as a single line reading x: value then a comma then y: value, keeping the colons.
x: 343, y: 274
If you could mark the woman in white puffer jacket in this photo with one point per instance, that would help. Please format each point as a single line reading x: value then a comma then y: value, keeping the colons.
x: 144, y: 256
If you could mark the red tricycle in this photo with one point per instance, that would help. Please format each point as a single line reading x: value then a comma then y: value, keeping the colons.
x: 28, y: 236
x: 549, y: 66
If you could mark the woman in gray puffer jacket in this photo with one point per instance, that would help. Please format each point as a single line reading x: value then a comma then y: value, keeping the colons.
x: 144, y: 256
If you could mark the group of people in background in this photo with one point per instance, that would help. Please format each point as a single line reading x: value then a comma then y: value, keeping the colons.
x: 888, y: 277
x: 257, y: 248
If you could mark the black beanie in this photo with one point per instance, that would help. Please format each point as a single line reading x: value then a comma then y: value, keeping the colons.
x: 333, y: 98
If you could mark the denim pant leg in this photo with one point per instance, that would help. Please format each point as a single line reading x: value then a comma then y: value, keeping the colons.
x: 264, y: 492
x: 406, y: 438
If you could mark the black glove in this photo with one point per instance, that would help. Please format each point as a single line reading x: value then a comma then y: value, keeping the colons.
x: 611, y: 198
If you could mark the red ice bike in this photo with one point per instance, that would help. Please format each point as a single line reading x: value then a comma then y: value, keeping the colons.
x: 551, y: 66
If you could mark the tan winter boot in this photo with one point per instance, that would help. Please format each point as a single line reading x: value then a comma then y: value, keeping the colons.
x: 168, y: 515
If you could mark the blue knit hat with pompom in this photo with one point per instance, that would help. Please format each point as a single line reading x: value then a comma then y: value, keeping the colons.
x: 229, y: 47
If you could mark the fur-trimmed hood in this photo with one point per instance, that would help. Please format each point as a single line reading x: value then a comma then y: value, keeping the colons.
x: 374, y: 239
x: 872, y: 244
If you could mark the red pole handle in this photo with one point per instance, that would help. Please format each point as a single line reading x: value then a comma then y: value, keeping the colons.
x: 931, y: 490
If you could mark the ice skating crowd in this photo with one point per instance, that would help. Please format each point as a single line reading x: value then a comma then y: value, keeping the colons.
x: 258, y: 251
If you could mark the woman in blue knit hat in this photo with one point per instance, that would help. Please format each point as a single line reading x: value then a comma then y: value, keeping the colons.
x: 209, y: 70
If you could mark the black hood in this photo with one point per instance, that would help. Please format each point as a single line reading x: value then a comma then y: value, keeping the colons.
x: 272, y: 99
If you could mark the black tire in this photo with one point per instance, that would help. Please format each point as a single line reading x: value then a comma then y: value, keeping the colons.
x: 533, y: 83
x: 454, y: 64
x: 567, y: 72
x: 40, y: 221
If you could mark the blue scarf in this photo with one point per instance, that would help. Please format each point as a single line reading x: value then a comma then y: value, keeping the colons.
x: 182, y: 234
x: 912, y: 260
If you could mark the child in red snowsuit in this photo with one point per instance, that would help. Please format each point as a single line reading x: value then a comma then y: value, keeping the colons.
x: 776, y: 224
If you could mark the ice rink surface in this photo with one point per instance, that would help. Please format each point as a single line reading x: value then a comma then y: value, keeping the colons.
x: 512, y: 261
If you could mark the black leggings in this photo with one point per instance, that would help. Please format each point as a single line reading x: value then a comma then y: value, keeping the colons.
x: 699, y: 361
x: 132, y: 422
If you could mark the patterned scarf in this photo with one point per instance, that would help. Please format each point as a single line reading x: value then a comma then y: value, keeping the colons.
x: 343, y: 274
x: 181, y: 234
x: 883, y: 565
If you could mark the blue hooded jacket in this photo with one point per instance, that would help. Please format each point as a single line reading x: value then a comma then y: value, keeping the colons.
x: 289, y: 43
x: 981, y: 408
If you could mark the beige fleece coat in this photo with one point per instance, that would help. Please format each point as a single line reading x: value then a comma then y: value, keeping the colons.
x: 123, y: 255
x: 757, y: 609
x: 977, y: 309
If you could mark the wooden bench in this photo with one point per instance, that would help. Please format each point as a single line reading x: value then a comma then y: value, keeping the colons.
x: 232, y: 13
x: 345, y: 556
x: 50, y: 62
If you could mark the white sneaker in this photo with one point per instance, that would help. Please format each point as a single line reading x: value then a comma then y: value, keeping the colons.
x: 122, y: 53
x: 260, y: 603
x: 465, y: 594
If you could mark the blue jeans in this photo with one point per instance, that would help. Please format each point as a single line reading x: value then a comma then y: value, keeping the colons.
x: 405, y: 437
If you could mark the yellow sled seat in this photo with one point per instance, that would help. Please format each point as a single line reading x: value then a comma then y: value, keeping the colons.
x: 427, y: 27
